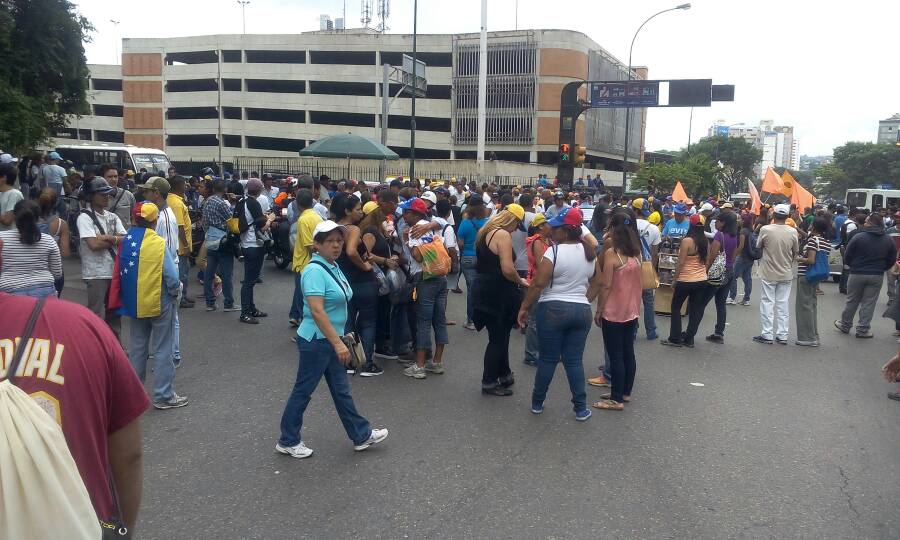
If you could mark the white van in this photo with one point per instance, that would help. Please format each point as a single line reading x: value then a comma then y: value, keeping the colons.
x: 125, y: 157
x: 873, y: 199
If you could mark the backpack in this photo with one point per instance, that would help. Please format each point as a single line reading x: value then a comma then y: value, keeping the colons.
x: 43, y: 493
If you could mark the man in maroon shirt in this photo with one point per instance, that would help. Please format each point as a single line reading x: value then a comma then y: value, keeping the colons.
x: 75, y: 369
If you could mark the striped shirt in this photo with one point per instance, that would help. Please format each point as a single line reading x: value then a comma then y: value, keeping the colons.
x: 815, y: 242
x: 26, y: 266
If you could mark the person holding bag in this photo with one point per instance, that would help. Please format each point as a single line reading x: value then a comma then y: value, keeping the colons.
x: 723, y: 250
x: 806, y: 303
x: 323, y: 352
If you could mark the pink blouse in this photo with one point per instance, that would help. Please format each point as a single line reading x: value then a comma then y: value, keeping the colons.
x: 623, y: 304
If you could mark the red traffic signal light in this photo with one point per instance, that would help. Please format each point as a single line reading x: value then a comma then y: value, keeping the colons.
x: 564, y: 149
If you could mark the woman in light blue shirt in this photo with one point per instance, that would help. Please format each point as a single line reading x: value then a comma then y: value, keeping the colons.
x: 326, y: 294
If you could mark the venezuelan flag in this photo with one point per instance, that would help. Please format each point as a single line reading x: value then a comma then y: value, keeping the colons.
x: 137, y: 277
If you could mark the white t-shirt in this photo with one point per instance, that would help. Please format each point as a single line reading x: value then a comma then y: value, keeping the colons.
x: 649, y: 233
x: 167, y: 228
x: 97, y: 264
x: 414, y: 266
x: 518, y: 241
x: 249, y: 237
x: 264, y: 203
x: 449, y: 235
x: 571, y: 275
x: 8, y: 200
x: 320, y: 209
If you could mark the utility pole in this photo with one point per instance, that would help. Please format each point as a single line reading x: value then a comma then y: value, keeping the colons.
x: 412, y: 117
x: 385, y: 105
x: 118, y: 39
x: 219, y: 107
x: 243, y: 4
x: 482, y: 88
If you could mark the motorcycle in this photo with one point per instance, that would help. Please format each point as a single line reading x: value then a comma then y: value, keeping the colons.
x: 279, y: 249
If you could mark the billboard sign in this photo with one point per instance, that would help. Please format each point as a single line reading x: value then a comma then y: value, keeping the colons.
x: 625, y: 94
x: 722, y: 131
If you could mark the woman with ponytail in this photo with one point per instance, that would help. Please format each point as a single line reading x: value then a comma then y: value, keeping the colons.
x: 53, y: 225
x: 29, y: 261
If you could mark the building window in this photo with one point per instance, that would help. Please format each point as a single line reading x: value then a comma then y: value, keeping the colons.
x: 107, y: 84
x: 349, y: 58
x: 275, y: 143
x: 431, y: 59
x: 231, y: 57
x: 276, y: 57
x: 192, y: 85
x: 190, y: 113
x: 231, y: 113
x: 342, y: 88
x: 231, y: 141
x: 231, y: 85
x: 192, y: 140
x: 276, y: 86
x: 434, y: 91
x: 423, y: 123
x: 422, y: 153
x: 109, y: 136
x: 192, y: 57
x: 276, y: 115
x: 342, y: 118
x: 108, y: 110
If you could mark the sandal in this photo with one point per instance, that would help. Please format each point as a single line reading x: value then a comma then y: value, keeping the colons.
x: 608, y: 405
x: 608, y: 397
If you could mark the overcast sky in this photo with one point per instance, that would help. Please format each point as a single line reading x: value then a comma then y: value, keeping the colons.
x: 799, y: 63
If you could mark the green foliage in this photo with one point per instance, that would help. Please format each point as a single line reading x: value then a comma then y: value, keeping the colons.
x: 734, y: 157
x: 43, y: 69
x: 831, y: 181
x: 867, y: 164
x: 696, y: 172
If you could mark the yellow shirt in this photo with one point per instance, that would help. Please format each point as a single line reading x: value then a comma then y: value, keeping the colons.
x: 306, y: 224
x: 176, y: 203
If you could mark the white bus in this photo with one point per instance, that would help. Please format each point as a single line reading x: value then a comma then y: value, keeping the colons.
x: 126, y: 157
x: 873, y: 199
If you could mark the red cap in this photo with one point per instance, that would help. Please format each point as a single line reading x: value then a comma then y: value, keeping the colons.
x: 696, y: 220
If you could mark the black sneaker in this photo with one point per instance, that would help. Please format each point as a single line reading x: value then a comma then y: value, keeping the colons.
x: 249, y: 319
x: 259, y: 314
x: 496, y: 390
x: 668, y: 343
x: 186, y: 303
x: 173, y: 402
x: 715, y: 338
x: 370, y: 370
x: 385, y: 354
x: 507, y: 380
x: 763, y: 340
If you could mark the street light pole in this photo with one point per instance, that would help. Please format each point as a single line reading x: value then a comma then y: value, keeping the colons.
x: 243, y: 4
x: 628, y: 109
x: 412, y: 116
x: 118, y: 39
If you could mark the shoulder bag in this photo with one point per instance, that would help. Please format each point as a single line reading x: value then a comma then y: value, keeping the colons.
x: 649, y: 278
x: 351, y: 339
x: 819, y: 270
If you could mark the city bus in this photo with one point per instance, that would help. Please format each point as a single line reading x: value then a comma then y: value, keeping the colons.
x: 873, y: 199
x: 125, y: 157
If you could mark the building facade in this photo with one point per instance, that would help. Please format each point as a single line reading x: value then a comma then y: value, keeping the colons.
x: 272, y: 95
x: 779, y: 146
x: 889, y: 130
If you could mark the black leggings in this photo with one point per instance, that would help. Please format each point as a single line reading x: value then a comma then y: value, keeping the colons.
x: 618, y: 339
x: 696, y: 293
x: 496, y: 355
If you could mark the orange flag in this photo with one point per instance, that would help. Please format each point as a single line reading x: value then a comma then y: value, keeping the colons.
x: 802, y: 198
x: 679, y: 195
x: 754, y: 198
x: 787, y: 184
x: 772, y: 183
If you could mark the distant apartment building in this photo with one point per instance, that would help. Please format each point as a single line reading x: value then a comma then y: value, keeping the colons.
x: 272, y: 95
x: 779, y: 146
x: 810, y: 163
x: 889, y: 130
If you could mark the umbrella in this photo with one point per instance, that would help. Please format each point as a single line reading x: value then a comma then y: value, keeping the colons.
x: 349, y: 146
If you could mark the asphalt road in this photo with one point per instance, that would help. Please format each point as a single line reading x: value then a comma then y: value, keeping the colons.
x: 779, y: 442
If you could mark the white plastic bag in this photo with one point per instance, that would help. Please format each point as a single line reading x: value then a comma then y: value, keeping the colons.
x: 42, y: 494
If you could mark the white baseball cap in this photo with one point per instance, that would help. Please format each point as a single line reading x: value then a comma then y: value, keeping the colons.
x: 327, y: 226
x: 782, y: 210
x: 7, y: 158
x: 706, y: 207
x: 430, y: 197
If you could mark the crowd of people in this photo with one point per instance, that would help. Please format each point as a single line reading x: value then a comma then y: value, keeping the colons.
x: 374, y: 266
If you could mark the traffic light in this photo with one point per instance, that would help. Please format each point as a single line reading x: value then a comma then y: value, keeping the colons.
x: 579, y: 155
x: 564, y: 150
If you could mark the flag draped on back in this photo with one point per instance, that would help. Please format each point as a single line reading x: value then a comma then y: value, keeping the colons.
x: 136, y: 286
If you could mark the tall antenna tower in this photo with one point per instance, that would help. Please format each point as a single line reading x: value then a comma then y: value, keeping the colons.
x: 366, y: 13
x: 384, y: 11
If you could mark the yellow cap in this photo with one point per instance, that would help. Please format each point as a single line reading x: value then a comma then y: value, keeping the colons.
x: 538, y: 220
x: 638, y: 203
x: 370, y: 207
x: 516, y: 210
x: 654, y: 218
x: 148, y: 211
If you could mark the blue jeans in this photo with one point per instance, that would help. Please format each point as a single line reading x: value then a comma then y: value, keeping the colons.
x: 317, y: 358
x: 184, y: 267
x: 297, y: 303
x: 743, y: 269
x: 532, y: 340
x: 400, y: 327
x: 564, y: 330
x: 618, y: 338
x: 253, y: 261
x: 469, y: 272
x: 431, y: 312
x: 362, y: 314
x: 221, y: 264
x: 649, y: 314
x: 38, y: 291
x: 155, y: 334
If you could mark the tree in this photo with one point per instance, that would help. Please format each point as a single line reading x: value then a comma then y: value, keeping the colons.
x: 867, y: 164
x: 734, y: 157
x: 44, y: 70
x: 696, y: 173
x: 831, y: 181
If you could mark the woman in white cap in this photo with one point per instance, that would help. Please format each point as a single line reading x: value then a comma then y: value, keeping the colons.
x: 326, y: 295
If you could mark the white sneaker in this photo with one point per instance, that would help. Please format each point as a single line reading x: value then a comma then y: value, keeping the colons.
x: 300, y: 451
x: 415, y: 372
x: 376, y: 437
x: 729, y: 302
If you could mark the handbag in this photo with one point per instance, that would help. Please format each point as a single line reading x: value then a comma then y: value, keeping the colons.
x: 819, y: 271
x: 350, y: 339
x: 717, y: 270
x: 384, y: 286
x: 649, y: 278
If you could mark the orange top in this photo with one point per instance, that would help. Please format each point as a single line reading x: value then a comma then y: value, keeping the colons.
x: 693, y: 270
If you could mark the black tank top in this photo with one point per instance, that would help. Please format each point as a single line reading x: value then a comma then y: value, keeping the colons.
x: 487, y: 261
x: 353, y: 273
